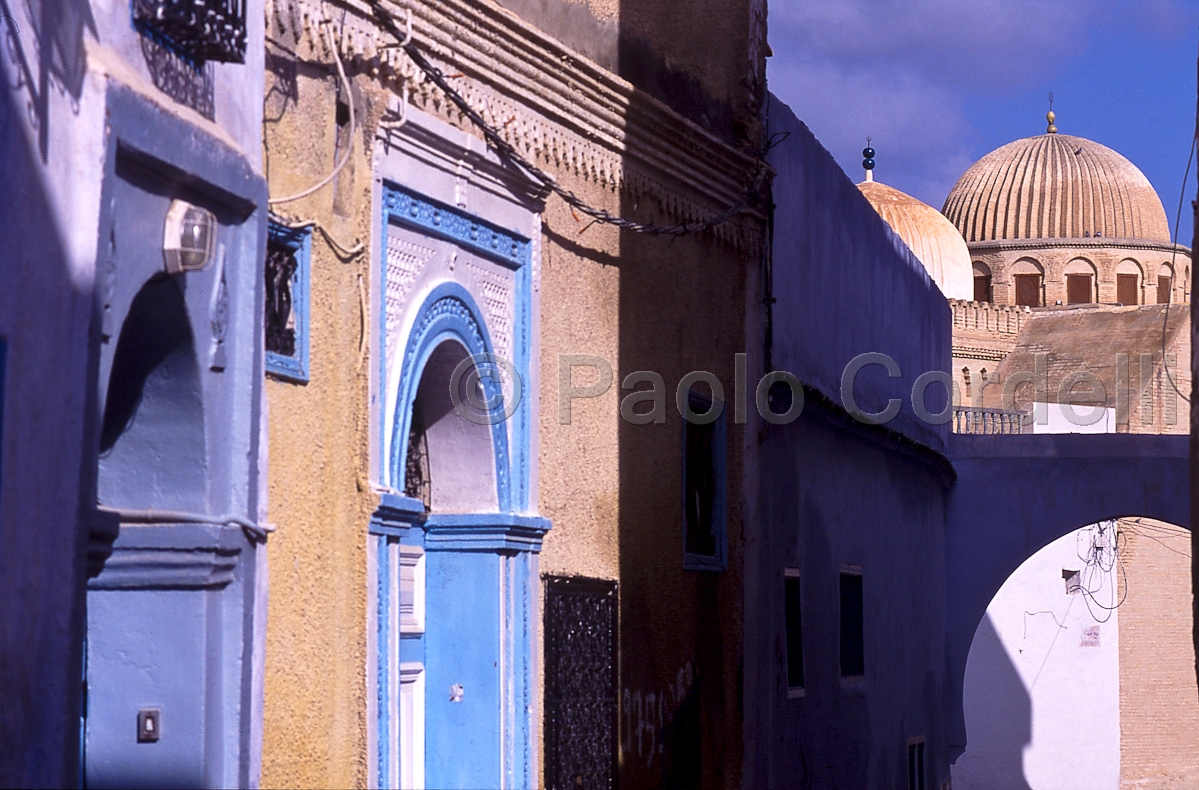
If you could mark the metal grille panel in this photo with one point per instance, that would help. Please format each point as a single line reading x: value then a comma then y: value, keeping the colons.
x: 280, y: 269
x: 203, y: 29
x: 580, y: 684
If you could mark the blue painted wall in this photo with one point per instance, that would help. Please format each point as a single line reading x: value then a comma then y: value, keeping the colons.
x: 169, y: 618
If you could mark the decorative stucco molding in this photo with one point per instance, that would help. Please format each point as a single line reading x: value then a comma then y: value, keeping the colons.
x: 554, y: 106
x: 172, y: 556
x: 484, y: 532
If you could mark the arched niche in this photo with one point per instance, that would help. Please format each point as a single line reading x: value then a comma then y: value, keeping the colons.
x: 1028, y: 282
x: 1129, y: 282
x: 152, y: 448
x: 440, y: 455
x: 982, y: 282
x: 453, y: 455
x: 1165, y: 283
x: 1081, y: 282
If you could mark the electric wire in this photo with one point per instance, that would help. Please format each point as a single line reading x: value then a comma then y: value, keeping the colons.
x: 337, y: 166
x: 508, y: 152
x: 1173, y: 273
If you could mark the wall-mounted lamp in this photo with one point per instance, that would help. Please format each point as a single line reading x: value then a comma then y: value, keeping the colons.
x: 189, y: 238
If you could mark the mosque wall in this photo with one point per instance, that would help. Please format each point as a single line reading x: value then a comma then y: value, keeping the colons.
x: 1054, y: 261
x: 983, y: 334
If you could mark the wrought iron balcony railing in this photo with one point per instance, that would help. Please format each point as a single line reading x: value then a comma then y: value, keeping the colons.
x: 203, y: 29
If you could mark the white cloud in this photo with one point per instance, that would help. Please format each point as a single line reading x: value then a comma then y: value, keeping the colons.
x: 902, y: 71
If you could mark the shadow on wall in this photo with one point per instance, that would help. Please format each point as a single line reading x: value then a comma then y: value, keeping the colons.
x: 44, y: 316
x: 1000, y: 716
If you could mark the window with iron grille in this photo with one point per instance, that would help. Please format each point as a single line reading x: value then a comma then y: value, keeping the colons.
x: 202, y: 29
x: 580, y: 684
x: 286, y: 310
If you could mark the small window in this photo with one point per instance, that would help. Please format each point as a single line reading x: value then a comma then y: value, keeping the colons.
x: 1028, y: 290
x: 1073, y: 581
x: 853, y: 641
x: 1126, y: 289
x: 916, y: 772
x: 286, y: 315
x: 704, y: 536
x: 794, y: 619
x: 1079, y: 289
x: 1163, y: 289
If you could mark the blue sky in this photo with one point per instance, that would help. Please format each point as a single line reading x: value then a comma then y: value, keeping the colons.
x: 939, y: 83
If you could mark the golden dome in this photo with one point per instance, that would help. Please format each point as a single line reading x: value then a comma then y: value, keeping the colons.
x: 1055, y: 186
x: 932, y: 238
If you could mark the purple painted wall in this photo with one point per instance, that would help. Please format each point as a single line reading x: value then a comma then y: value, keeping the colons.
x: 847, y: 285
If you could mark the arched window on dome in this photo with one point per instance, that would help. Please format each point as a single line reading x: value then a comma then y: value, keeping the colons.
x: 982, y: 282
x: 1128, y: 282
x: 1165, y: 281
x: 1027, y: 283
x: 1080, y: 282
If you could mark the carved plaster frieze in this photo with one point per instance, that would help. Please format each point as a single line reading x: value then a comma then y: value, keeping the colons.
x: 561, y: 111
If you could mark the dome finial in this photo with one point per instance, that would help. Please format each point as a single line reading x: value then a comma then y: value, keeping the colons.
x: 1050, y: 117
x: 868, y: 160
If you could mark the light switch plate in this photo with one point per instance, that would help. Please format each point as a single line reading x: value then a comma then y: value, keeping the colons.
x: 149, y: 725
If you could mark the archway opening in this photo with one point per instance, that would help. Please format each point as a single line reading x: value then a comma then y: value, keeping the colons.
x: 450, y: 463
x: 1083, y: 659
x: 152, y: 448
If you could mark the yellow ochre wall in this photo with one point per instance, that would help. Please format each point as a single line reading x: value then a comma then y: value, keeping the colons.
x: 315, y: 716
x: 612, y: 491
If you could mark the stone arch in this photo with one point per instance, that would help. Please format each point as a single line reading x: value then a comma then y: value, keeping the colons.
x: 1065, y: 483
x: 1027, y: 266
x: 467, y: 460
x: 152, y: 443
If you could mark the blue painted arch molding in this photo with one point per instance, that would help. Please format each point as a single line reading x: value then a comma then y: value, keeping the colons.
x: 448, y: 314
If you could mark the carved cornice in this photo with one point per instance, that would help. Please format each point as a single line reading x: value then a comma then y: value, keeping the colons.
x: 171, y: 556
x: 487, y: 532
x: 556, y: 107
x: 1102, y: 242
x: 985, y: 354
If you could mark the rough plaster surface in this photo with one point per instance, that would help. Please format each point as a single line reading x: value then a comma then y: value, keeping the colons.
x: 315, y: 726
x: 832, y: 496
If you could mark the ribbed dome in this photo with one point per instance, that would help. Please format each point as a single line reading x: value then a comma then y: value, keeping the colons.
x: 1055, y: 186
x: 933, y: 239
